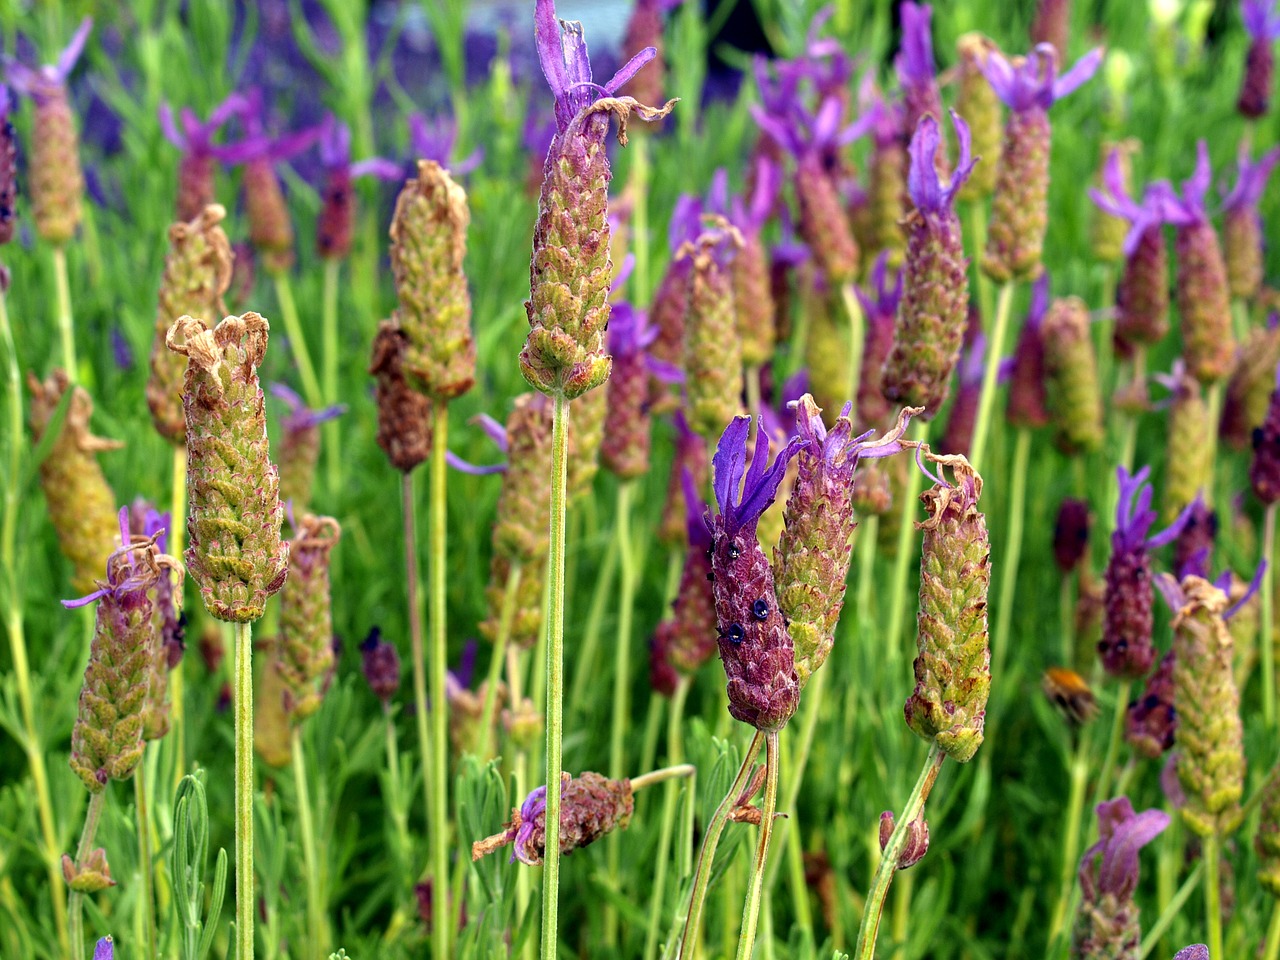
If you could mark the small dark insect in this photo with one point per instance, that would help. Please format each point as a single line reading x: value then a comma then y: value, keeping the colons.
x: 760, y: 609
x: 1070, y: 693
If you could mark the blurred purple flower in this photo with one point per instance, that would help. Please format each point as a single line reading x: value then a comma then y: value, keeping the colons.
x: 1261, y: 19
x: 121, y: 350
x: 1034, y: 83
x: 434, y: 139
x: 1114, y: 199
x: 193, y: 138
x: 1189, y: 209
x: 1110, y: 866
x: 335, y: 154
x: 258, y: 144
x: 104, y: 949
x: 44, y: 82
x: 300, y: 416
x: 534, y: 807
x: 931, y: 198
x: 1251, y: 181
x: 1134, y: 515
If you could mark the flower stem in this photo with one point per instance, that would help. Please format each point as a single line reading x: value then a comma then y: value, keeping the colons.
x: 1213, y: 893
x: 672, y: 772
x: 584, y: 662
x: 1071, y: 843
x: 675, y: 754
x: 416, y: 642
x: 520, y: 781
x: 75, y: 902
x: 245, y: 900
x: 902, y: 562
x: 995, y: 353
x: 15, y: 627
x: 1273, y: 932
x: 177, y: 534
x: 1113, y: 743
x: 329, y: 372
x: 1012, y: 551
x: 65, y: 323
x: 498, y: 659
x: 857, y: 337
x: 439, y: 805
x: 1268, y: 612
x: 867, y: 535
x: 870, y: 928
x: 621, y: 684
x: 399, y: 818
x: 555, y: 675
x: 751, y: 907
x: 710, y: 840
x: 317, y: 937
x: 1174, y: 908
x: 143, y: 817
x: 297, y: 342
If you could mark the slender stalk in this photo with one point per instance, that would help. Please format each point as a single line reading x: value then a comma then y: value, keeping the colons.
x: 245, y: 899
x: 976, y: 220
x: 870, y: 928
x: 901, y: 914
x: 1066, y: 621
x: 329, y: 371
x: 143, y: 817
x: 499, y: 657
x: 317, y: 934
x: 297, y: 342
x: 751, y: 907
x: 399, y: 819
x: 439, y: 805
x: 1012, y: 551
x: 710, y: 840
x: 906, y: 553
x: 1105, y: 342
x: 866, y: 536
x: 1213, y: 893
x: 66, y: 328
x: 752, y: 376
x: 1175, y: 908
x: 1217, y: 392
x: 1113, y: 743
x: 795, y: 777
x: 15, y: 627
x: 416, y: 642
x: 857, y: 336
x: 1273, y: 932
x: 995, y: 353
x: 1268, y: 612
x: 177, y: 535
x: 621, y: 684
x: 75, y: 902
x: 668, y: 773
x: 675, y: 754
x: 585, y: 660
x: 1071, y: 844
x: 639, y: 182
x: 555, y: 676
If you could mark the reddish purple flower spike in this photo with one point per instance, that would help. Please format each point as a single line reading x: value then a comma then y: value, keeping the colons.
x: 1251, y: 181
x: 931, y: 198
x: 1114, y: 199
x: 1261, y: 19
x: 433, y: 139
x: 1189, y: 209
x: 335, y: 153
x: 1134, y: 515
x: 562, y: 51
x: 301, y: 417
x: 1110, y: 866
x: 914, y: 62
x: 40, y: 83
x: 743, y: 511
x: 192, y: 137
x: 1197, y: 951
x: 1034, y: 83
x: 380, y: 663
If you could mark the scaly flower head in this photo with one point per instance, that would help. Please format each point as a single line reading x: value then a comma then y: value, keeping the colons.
x: 915, y: 68
x: 1028, y: 399
x: 380, y: 663
x: 879, y: 302
x: 1262, y: 22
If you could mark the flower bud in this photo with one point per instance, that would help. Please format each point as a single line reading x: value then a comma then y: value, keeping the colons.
x: 1073, y: 397
x: 980, y: 107
x: 591, y: 805
x: 1188, y: 453
x: 917, y: 843
x: 197, y: 272
x: 306, y: 617
x: 1151, y: 721
x: 270, y: 226
x: 380, y: 663
x: 92, y: 876
x: 953, y: 668
x: 1249, y: 388
x: 1263, y: 26
x: 404, y: 414
x: 82, y: 507
x: 713, y: 352
x: 428, y: 244
x: 233, y: 504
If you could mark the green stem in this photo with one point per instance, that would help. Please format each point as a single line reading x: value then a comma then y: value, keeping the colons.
x: 75, y: 902
x: 1105, y: 342
x: 976, y: 219
x: 1113, y: 742
x: 1240, y: 319
x: 177, y: 535
x: 143, y: 816
x: 15, y: 626
x: 1071, y: 844
x: 317, y: 937
x: 555, y: 676
x: 297, y: 342
x: 1012, y: 551
x: 329, y: 372
x: 901, y: 914
x: 439, y: 806
x: 1273, y: 932
x: 1212, y: 893
x: 870, y: 928
x: 675, y: 754
x: 245, y: 900
x: 621, y: 685
x: 399, y: 819
x: 584, y: 662
x: 906, y: 553
x: 639, y: 182
x: 1174, y: 909
x: 755, y: 885
x: 1067, y: 621
x: 995, y: 353
x: 1268, y: 612
x: 857, y: 337
x: 66, y: 328
x: 520, y: 778
x: 666, y: 774
x: 416, y: 643
x: 498, y: 659
x: 710, y: 840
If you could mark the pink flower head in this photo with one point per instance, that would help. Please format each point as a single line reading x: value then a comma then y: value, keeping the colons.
x: 190, y: 135
x: 1251, y: 181
x: 434, y: 139
x: 42, y: 83
x: 1034, y: 83
x: 1114, y: 199
x: 1110, y: 866
x: 1134, y: 515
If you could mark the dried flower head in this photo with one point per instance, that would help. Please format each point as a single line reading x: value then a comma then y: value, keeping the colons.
x: 305, y: 653
x: 233, y: 503
x: 953, y: 667
x: 428, y: 245
x: 404, y: 414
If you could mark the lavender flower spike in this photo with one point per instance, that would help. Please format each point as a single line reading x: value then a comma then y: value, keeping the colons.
x: 104, y: 949
x: 1108, y: 925
x: 1028, y: 87
x: 299, y: 448
x: 1126, y: 647
x: 916, y: 71
x: 1262, y: 21
x: 1241, y: 225
x: 935, y: 299
x: 570, y: 273
x: 757, y: 652
x: 195, y: 140
x: 337, y: 199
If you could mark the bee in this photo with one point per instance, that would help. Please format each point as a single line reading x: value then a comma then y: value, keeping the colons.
x: 1070, y: 693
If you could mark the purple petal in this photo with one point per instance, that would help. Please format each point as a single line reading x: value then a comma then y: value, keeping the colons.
x: 729, y: 462
x: 104, y: 949
x: 476, y: 470
x: 546, y: 32
x: 71, y: 52
x: 1255, y: 585
x: 170, y: 128
x: 629, y: 70
x: 1079, y: 74
x: 378, y: 167
x: 495, y: 431
x: 1171, y: 590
